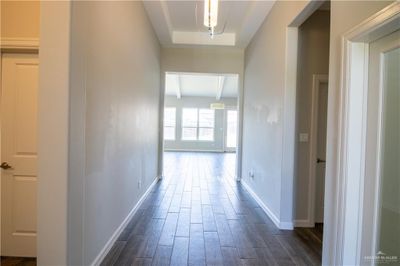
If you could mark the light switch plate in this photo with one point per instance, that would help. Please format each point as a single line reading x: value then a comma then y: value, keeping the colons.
x: 303, y: 137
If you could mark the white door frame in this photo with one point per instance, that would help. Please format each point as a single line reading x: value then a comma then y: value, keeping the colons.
x: 289, y: 116
x: 318, y: 79
x: 347, y: 216
x: 14, y: 45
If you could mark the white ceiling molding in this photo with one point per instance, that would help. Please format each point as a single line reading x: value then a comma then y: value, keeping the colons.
x: 220, y: 89
x: 211, y: 85
x: 203, y: 38
x: 176, y: 25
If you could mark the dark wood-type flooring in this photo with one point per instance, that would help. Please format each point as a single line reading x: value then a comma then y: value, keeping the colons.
x: 17, y: 261
x: 197, y: 215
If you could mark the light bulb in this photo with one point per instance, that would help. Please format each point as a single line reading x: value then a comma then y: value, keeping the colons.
x: 210, y: 13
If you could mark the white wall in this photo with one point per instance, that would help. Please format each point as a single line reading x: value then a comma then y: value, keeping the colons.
x: 263, y: 127
x: 115, y: 67
x: 313, y: 50
x: 198, y: 102
x: 200, y: 59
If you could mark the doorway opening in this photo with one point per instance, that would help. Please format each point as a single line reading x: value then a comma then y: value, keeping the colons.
x: 313, y: 38
x: 200, y: 119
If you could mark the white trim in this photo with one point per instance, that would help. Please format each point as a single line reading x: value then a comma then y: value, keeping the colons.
x: 107, y: 247
x: 372, y: 28
x: 317, y: 80
x: 342, y: 245
x: 19, y: 43
x: 286, y: 226
x: 191, y: 150
x: 289, y: 126
x: 268, y: 211
x: 373, y: 173
x: 303, y: 223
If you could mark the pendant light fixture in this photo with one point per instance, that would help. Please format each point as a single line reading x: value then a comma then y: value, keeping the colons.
x: 210, y: 15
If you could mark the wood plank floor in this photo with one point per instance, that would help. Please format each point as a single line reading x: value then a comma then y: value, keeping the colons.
x: 17, y: 261
x: 197, y: 216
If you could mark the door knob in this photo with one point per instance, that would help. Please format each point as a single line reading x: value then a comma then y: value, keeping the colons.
x: 5, y: 166
x: 320, y: 160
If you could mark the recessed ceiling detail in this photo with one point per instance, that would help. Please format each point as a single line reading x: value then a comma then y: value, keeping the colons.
x: 201, y: 85
x: 203, y: 38
x: 180, y: 23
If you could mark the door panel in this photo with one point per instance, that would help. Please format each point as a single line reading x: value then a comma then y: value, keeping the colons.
x: 19, y: 150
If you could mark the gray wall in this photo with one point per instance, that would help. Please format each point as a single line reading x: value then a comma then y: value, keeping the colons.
x: 115, y: 88
x: 198, y: 102
x: 313, y: 59
x: 264, y: 92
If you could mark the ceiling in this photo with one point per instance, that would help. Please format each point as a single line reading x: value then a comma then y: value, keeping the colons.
x: 201, y: 85
x: 180, y: 23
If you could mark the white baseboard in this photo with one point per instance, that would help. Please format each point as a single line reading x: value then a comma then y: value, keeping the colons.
x: 303, y: 223
x: 103, y: 253
x: 270, y: 214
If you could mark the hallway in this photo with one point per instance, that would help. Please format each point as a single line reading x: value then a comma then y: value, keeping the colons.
x: 197, y: 215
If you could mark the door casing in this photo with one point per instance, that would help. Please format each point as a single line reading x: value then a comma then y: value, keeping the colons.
x: 346, y: 217
x: 317, y: 80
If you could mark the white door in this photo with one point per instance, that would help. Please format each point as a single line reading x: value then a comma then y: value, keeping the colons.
x: 381, y: 214
x: 231, y: 130
x: 19, y: 90
x: 321, y: 152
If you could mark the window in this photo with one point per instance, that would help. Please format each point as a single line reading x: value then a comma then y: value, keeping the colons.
x: 206, y: 124
x: 231, y: 132
x: 189, y: 123
x: 169, y: 123
x: 198, y: 124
